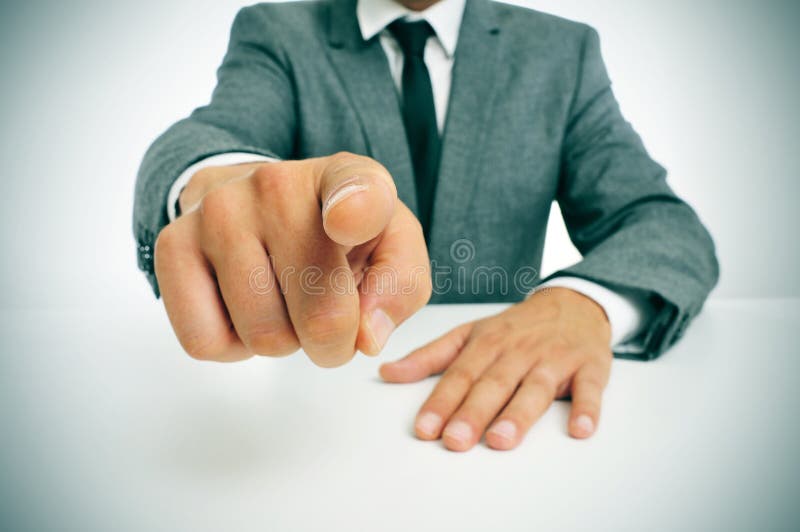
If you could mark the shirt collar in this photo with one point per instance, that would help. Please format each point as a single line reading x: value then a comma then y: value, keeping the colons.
x: 443, y: 16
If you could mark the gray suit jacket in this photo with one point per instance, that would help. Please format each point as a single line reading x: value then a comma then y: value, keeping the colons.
x: 531, y: 119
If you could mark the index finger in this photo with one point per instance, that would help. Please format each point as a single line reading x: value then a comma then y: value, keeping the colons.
x: 396, y: 284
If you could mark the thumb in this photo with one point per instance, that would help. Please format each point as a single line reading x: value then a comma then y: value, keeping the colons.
x: 357, y: 197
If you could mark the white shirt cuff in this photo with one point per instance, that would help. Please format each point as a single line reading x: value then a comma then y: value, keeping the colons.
x: 223, y: 159
x: 627, y: 313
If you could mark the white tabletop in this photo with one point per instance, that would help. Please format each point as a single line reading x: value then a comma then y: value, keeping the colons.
x: 106, y: 425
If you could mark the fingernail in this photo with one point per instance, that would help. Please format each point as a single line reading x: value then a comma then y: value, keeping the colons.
x: 429, y: 423
x: 584, y: 424
x: 505, y: 429
x: 381, y: 326
x: 343, y: 191
x: 458, y: 431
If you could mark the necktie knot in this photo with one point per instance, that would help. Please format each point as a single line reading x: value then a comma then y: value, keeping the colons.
x: 411, y: 36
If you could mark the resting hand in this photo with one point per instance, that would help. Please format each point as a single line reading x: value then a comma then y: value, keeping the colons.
x: 268, y: 258
x: 503, y: 372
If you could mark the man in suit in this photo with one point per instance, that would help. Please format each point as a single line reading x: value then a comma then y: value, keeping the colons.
x: 360, y: 157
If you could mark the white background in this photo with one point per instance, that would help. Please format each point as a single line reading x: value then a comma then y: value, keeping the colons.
x: 106, y: 426
x: 711, y: 86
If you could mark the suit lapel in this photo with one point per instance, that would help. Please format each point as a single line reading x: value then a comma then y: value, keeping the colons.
x: 477, y: 70
x: 364, y: 72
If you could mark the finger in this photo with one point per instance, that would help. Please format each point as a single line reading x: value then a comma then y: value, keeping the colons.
x: 252, y: 297
x: 397, y: 282
x: 486, y: 398
x: 191, y: 298
x: 312, y: 270
x: 587, y: 392
x: 534, y: 396
x: 478, y: 354
x: 429, y: 359
x: 357, y: 195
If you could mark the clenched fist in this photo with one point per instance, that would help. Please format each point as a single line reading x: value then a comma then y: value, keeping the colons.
x: 271, y: 257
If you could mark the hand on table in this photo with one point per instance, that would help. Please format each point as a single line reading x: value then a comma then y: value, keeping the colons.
x: 271, y: 257
x: 503, y: 372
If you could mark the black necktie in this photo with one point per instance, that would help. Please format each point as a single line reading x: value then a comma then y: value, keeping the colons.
x: 419, y: 114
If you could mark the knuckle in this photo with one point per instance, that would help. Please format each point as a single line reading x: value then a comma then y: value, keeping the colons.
x: 202, y: 347
x: 271, y: 341
x: 271, y: 180
x: 219, y: 205
x: 167, y: 240
x: 458, y: 376
x: 590, y: 382
x: 366, y: 165
x: 586, y: 405
x: 345, y: 158
x: 496, y: 327
x: 490, y: 339
x: 325, y: 328
x: 526, y: 343
x: 558, y: 348
x: 496, y: 381
x: 203, y: 176
x: 544, y: 378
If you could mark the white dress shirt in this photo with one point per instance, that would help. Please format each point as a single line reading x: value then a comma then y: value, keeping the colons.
x: 627, y: 313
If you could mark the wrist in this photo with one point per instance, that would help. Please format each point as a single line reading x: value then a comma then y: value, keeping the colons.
x: 568, y: 297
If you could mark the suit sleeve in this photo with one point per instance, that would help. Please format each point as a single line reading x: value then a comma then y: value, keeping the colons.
x: 252, y: 110
x: 633, y: 232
